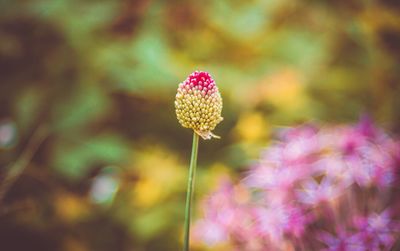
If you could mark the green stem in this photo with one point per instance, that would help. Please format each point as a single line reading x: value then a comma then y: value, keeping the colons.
x: 16, y: 169
x: 189, y: 194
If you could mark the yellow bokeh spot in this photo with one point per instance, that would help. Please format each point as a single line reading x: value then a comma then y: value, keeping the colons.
x: 252, y: 127
x: 283, y: 89
x: 70, y: 207
x: 160, y: 175
x: 147, y: 193
x: 209, y: 179
x: 71, y: 244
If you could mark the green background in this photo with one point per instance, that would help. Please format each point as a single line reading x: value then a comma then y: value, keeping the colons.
x: 97, y: 80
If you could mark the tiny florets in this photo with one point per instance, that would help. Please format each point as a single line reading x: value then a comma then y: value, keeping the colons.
x: 198, y: 104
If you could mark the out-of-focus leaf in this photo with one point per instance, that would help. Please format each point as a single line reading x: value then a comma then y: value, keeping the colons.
x: 27, y: 107
x: 74, y: 158
x: 250, y: 19
x: 298, y: 48
x: 87, y: 104
x: 150, y: 223
x: 143, y: 66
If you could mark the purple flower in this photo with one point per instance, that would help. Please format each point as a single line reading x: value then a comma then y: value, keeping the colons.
x: 211, y: 232
x: 299, y: 144
x: 376, y: 231
x: 314, y: 193
x: 311, y: 190
x: 341, y: 241
x: 225, y: 216
x: 276, y: 222
x: 333, y: 168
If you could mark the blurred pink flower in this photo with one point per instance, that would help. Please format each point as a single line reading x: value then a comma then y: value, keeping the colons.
x: 211, y: 232
x: 275, y: 221
x: 376, y: 231
x: 225, y: 217
x: 340, y: 241
x: 310, y: 190
x: 314, y: 193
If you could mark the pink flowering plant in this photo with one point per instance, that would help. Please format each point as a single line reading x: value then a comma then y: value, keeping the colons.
x: 315, y: 188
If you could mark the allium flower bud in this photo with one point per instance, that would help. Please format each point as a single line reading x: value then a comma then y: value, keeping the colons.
x: 198, y: 104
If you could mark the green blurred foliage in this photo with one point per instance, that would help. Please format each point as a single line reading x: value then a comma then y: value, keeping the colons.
x: 102, y: 75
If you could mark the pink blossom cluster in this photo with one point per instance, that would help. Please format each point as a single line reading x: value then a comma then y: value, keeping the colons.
x: 330, y: 188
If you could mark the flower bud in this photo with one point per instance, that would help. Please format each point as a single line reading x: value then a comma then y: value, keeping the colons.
x: 198, y: 104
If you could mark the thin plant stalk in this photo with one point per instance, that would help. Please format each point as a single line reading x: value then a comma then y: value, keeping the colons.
x: 198, y: 105
x: 17, y: 168
x: 190, y: 188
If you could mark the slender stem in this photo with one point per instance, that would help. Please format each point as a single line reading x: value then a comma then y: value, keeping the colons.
x: 189, y: 195
x: 16, y: 169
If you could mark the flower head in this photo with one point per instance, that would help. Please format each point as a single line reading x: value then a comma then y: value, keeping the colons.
x: 342, y: 240
x: 198, y: 104
x: 376, y: 230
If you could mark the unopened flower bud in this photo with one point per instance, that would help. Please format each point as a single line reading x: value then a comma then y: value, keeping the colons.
x: 198, y: 104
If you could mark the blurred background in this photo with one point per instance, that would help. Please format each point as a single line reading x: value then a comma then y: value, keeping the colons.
x: 91, y: 154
